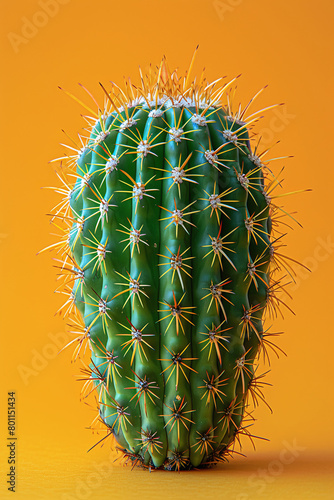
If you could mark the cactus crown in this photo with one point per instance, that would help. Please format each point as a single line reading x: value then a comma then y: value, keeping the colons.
x: 168, y: 257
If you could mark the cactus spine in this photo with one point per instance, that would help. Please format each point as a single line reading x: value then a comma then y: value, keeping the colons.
x: 167, y: 261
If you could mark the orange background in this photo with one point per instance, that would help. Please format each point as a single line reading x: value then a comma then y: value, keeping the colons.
x: 286, y: 44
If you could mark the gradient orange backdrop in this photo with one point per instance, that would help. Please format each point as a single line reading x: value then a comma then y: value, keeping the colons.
x: 286, y: 44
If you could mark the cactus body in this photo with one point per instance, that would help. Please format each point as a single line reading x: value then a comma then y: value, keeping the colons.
x: 167, y: 261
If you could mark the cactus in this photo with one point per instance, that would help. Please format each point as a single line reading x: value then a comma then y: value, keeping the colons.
x: 167, y: 258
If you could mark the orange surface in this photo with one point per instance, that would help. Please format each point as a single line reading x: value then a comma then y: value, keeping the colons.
x: 285, y: 44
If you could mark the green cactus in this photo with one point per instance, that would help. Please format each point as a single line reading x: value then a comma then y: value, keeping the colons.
x: 167, y: 261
